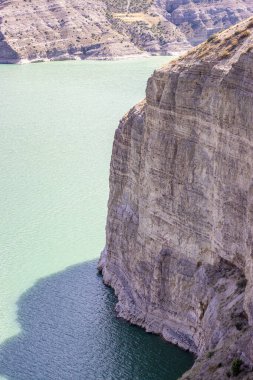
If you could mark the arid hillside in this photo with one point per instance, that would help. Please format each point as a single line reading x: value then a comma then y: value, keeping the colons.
x: 64, y: 29
x: 198, y: 19
x: 33, y: 30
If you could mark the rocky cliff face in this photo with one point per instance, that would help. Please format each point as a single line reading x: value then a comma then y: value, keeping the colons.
x: 34, y: 30
x: 179, y: 229
x: 199, y: 19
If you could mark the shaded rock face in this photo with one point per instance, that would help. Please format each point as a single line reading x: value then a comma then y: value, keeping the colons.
x: 7, y: 54
x: 179, y: 228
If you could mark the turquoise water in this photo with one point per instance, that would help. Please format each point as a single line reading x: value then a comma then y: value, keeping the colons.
x: 57, y: 122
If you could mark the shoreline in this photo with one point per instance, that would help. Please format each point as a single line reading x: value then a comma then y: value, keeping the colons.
x: 132, y: 313
x: 90, y: 58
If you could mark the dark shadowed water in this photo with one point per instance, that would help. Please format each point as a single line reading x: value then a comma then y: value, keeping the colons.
x: 57, y: 122
x: 69, y: 331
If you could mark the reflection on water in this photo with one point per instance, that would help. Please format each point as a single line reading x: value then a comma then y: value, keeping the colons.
x: 69, y: 331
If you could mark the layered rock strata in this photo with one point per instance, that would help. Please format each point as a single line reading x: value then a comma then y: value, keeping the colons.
x: 179, y: 229
x: 199, y: 19
x: 40, y: 30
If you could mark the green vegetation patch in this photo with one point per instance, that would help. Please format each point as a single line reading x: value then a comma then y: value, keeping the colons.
x: 236, y: 366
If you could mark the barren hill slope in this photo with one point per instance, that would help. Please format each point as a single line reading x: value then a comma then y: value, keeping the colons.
x: 60, y: 29
x: 198, y: 19
x: 35, y: 30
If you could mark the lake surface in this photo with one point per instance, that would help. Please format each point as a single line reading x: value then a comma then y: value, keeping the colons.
x: 57, y: 320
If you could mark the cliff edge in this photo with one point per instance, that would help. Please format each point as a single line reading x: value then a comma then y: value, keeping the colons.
x: 179, y: 232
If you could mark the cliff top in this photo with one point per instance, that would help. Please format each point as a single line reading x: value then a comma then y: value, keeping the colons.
x: 220, y: 49
x: 179, y: 226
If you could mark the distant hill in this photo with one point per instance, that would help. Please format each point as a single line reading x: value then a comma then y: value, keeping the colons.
x: 33, y: 30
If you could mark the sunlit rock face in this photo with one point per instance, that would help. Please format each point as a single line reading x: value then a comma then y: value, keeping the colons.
x: 81, y: 29
x: 198, y: 19
x: 41, y: 30
x: 179, y: 226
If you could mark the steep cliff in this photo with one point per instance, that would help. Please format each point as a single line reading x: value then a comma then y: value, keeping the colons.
x: 179, y: 228
x: 198, y: 19
x: 34, y: 30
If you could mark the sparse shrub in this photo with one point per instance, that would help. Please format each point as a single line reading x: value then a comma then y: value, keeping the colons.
x: 250, y: 24
x: 210, y: 354
x: 244, y: 34
x: 231, y: 47
x: 234, y: 42
x: 241, y: 283
x: 211, y: 38
x: 202, y: 54
x: 239, y: 326
x: 236, y: 366
x: 224, y: 54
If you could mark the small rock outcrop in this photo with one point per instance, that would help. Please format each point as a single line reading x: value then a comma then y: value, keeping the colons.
x: 179, y: 231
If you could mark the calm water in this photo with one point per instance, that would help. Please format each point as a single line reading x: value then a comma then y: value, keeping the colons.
x: 57, y: 320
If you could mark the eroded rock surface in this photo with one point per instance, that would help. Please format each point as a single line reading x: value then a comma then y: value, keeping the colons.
x: 81, y: 29
x: 179, y: 228
x: 198, y: 19
x: 35, y: 30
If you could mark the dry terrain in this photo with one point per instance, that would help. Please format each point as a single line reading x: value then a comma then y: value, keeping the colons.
x: 34, y: 30
x: 179, y: 232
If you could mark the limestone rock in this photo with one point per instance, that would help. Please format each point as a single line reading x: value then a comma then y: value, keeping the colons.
x: 199, y: 19
x: 179, y: 229
x: 40, y: 30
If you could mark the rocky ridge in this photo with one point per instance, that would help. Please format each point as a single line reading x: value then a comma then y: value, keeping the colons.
x: 35, y: 30
x: 199, y: 19
x: 179, y: 228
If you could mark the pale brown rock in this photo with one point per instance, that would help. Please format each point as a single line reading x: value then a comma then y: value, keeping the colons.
x: 34, y: 30
x: 179, y: 229
x: 198, y: 19
x: 40, y: 30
